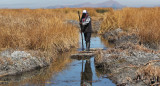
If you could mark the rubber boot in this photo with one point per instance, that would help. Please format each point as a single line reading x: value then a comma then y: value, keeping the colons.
x: 87, y: 46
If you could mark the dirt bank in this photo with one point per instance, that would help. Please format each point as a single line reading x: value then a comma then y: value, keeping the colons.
x: 119, y: 36
x: 129, y: 63
x: 17, y: 61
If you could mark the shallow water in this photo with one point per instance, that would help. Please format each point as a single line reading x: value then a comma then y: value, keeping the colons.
x: 64, y: 72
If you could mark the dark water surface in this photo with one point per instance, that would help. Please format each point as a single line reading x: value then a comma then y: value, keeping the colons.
x: 64, y: 72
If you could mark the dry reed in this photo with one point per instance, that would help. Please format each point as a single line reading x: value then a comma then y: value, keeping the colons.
x: 149, y: 73
x: 42, y: 29
x: 145, y: 21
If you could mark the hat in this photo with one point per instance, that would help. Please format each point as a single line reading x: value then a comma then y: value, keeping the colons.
x: 84, y: 11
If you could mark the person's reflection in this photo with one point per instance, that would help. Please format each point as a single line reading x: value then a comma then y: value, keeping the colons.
x: 86, y: 76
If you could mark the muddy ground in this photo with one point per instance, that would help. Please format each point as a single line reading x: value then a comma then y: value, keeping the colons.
x: 129, y: 63
x: 14, y: 62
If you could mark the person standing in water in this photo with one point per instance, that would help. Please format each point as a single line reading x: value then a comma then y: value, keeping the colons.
x: 86, y: 28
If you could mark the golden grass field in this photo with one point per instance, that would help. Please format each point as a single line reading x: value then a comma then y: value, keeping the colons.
x: 40, y: 29
x: 36, y: 29
x: 46, y: 29
x: 145, y: 22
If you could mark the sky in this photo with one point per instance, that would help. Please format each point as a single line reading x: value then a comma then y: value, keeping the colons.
x: 46, y: 3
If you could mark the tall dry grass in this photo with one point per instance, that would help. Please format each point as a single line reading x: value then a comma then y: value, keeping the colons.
x: 145, y: 21
x: 42, y: 29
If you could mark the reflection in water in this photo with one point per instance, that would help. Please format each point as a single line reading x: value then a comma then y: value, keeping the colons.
x: 86, y: 76
x: 63, y: 72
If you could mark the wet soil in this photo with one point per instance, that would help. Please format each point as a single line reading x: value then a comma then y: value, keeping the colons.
x: 129, y: 63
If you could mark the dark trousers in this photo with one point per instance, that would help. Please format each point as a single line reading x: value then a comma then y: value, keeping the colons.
x: 87, y: 36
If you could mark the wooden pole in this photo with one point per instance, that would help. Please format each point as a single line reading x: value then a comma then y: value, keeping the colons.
x: 81, y: 31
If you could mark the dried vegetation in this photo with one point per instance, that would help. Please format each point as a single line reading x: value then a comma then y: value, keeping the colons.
x: 39, y: 29
x: 143, y: 21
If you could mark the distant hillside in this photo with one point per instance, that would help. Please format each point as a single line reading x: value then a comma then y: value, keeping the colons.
x: 110, y: 3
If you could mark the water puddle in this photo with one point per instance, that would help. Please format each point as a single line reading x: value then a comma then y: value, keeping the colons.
x: 64, y: 72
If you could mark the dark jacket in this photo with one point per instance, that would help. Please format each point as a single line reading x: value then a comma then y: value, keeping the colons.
x: 85, y: 22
